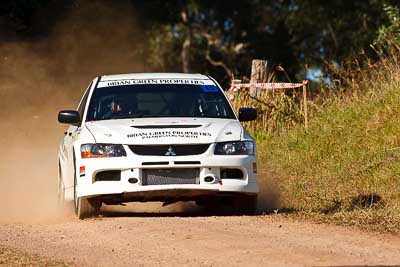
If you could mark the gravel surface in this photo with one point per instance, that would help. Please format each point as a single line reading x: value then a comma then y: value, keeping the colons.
x: 15, y: 257
x: 193, y: 239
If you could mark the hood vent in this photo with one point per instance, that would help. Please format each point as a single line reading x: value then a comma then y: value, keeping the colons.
x: 174, y: 126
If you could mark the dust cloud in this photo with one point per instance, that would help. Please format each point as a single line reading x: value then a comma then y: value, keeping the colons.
x: 40, y: 76
x: 269, y: 196
x: 43, y: 74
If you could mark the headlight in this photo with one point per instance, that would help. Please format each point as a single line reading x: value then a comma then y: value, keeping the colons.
x: 102, y: 151
x: 235, y: 148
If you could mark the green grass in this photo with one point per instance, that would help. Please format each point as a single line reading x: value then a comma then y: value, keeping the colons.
x: 346, y: 167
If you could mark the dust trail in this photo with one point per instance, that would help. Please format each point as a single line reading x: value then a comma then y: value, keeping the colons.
x: 40, y: 76
x: 269, y: 196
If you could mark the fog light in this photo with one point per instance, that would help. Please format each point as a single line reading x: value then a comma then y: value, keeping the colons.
x: 209, y: 179
x: 133, y: 180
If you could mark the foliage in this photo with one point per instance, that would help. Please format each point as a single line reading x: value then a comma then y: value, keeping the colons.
x: 160, y: 44
x: 392, y: 30
x: 226, y: 35
x: 346, y: 167
x: 277, y: 110
x: 222, y: 37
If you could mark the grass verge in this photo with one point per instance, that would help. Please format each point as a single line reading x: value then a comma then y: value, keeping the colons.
x: 346, y: 167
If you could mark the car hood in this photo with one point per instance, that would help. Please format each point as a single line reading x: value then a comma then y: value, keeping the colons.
x: 165, y: 131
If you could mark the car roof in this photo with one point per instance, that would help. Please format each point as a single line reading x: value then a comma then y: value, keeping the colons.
x: 153, y: 76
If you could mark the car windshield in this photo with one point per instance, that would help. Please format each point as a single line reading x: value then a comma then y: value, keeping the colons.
x: 158, y: 100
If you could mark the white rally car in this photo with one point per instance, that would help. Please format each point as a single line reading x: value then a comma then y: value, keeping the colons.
x: 157, y: 137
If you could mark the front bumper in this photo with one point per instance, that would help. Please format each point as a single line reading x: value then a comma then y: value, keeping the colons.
x: 132, y: 166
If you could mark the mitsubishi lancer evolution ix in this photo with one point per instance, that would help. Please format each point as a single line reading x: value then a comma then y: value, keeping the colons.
x: 157, y: 137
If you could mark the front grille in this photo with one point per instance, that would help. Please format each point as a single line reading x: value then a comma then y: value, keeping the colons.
x: 170, y: 176
x: 169, y: 150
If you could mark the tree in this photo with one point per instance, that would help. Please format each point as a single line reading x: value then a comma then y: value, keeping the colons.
x: 222, y: 37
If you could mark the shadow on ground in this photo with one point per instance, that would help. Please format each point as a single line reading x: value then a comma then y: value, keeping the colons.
x: 268, y: 203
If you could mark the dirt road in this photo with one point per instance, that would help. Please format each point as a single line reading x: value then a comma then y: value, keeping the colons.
x: 192, y: 239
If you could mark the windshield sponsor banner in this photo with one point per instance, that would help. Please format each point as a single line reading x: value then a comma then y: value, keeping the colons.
x: 153, y: 81
x: 170, y: 134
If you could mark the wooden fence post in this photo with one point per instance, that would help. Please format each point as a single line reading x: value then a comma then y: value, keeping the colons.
x: 259, y: 72
x: 305, y: 104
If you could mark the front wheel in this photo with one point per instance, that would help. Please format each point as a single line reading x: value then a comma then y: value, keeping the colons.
x: 60, y: 191
x: 87, y: 207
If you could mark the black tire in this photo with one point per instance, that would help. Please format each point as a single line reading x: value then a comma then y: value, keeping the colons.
x: 60, y: 189
x: 87, y: 207
x: 84, y: 207
x: 245, y: 205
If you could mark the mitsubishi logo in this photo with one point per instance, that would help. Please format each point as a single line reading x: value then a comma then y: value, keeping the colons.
x: 170, y: 152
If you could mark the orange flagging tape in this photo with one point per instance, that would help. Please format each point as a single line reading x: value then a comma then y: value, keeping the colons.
x: 268, y: 86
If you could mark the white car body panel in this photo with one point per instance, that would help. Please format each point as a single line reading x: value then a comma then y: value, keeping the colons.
x: 131, y: 132
x: 124, y: 132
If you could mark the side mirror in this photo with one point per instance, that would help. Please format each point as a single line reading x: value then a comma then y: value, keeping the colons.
x: 69, y: 117
x: 247, y: 114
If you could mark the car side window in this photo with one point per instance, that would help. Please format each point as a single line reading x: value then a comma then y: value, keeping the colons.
x: 82, y: 105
